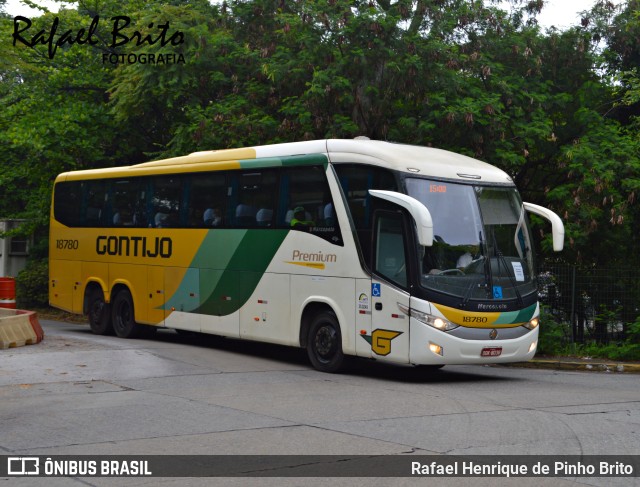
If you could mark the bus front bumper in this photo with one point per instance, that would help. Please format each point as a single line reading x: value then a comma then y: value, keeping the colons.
x: 430, y: 346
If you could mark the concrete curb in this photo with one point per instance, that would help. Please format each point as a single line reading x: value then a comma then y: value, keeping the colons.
x: 19, y: 328
x: 587, y: 366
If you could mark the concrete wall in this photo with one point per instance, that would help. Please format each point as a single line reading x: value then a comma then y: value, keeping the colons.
x: 11, y: 262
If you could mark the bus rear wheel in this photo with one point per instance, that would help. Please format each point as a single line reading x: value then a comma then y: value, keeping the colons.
x: 123, y: 316
x: 324, y: 343
x: 98, y: 313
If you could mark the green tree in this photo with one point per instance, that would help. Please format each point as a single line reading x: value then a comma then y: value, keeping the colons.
x: 465, y: 76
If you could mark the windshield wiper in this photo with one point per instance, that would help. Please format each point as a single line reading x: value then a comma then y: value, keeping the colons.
x: 487, y: 273
x: 484, y: 248
x: 467, y: 293
x: 503, y: 261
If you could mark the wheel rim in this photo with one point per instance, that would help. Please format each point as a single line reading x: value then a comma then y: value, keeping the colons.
x: 96, y: 312
x: 123, y: 315
x: 325, y: 342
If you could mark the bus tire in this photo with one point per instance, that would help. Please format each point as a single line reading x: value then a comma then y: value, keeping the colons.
x: 99, y: 313
x: 324, y: 343
x: 123, y: 316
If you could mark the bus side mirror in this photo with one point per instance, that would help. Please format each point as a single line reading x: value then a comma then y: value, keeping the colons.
x: 557, y: 227
x: 419, y: 213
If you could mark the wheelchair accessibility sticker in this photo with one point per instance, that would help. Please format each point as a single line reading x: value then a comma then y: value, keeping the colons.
x: 375, y: 290
x: 497, y: 292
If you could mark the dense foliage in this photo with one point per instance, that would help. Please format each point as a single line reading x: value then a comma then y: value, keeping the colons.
x: 557, y: 109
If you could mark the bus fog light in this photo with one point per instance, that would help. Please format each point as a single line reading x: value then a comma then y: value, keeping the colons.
x: 437, y: 349
x: 533, y: 346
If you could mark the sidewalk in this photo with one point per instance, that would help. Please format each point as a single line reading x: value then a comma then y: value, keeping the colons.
x: 581, y: 364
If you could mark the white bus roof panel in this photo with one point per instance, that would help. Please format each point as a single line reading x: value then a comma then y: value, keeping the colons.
x: 410, y: 159
x: 423, y: 161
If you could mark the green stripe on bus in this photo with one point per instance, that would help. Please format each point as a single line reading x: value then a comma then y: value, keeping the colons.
x: 214, y: 253
x: 527, y: 313
x: 510, y: 317
x: 303, y: 160
x: 238, y: 281
x: 224, y: 289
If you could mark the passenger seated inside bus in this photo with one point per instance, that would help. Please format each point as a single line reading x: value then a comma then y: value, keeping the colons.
x: 264, y: 217
x: 245, y: 215
x: 160, y: 219
x: 329, y: 217
x: 212, y: 217
x: 122, y: 216
x: 301, y: 219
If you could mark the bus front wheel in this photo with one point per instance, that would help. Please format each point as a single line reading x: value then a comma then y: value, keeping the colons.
x: 123, y: 316
x: 324, y: 343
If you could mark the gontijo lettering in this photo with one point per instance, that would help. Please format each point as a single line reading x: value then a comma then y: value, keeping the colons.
x: 134, y: 246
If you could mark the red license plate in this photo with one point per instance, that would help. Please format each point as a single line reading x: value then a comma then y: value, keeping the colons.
x: 491, y: 352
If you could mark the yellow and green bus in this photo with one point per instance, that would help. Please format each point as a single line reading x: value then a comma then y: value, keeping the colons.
x: 392, y: 252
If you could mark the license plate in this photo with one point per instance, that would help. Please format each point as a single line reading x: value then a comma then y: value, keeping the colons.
x: 491, y: 352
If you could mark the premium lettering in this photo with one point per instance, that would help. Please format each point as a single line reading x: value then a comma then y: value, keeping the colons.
x: 313, y: 257
x: 134, y: 246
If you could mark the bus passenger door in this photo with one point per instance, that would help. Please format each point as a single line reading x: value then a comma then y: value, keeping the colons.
x: 389, y: 336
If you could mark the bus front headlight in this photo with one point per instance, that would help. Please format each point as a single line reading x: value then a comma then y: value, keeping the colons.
x: 434, y: 321
x: 532, y: 324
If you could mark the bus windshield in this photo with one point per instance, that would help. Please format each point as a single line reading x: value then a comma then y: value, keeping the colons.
x: 482, y: 245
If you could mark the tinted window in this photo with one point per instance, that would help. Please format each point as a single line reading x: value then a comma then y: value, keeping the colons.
x: 390, y: 259
x: 166, y: 202
x: 128, y: 206
x: 67, y: 202
x: 206, y: 200
x: 306, y: 203
x: 82, y: 204
x: 254, y: 200
x: 94, y: 199
x: 356, y: 181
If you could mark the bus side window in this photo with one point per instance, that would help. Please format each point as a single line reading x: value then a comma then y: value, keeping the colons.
x: 255, y: 198
x: 390, y: 258
x: 94, y: 198
x: 166, y: 199
x: 356, y: 181
x: 306, y: 203
x: 67, y: 199
x: 206, y: 200
x: 127, y: 203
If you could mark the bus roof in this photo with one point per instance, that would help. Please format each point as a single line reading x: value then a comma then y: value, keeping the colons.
x: 422, y: 161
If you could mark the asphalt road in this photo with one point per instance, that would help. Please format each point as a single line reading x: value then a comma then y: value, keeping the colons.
x: 80, y: 394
